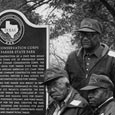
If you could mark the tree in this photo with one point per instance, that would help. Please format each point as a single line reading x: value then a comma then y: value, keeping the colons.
x: 21, y: 5
x: 75, y: 10
x: 103, y: 10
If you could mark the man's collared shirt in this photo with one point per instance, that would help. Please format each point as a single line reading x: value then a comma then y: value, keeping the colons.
x: 102, y: 111
x: 91, y: 59
x: 104, y: 103
x: 59, y: 108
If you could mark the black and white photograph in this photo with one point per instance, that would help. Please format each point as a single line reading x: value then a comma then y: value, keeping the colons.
x: 57, y: 57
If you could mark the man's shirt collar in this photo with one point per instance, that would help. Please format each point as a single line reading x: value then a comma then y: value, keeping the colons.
x: 97, y: 52
x: 65, y: 100
x: 104, y: 102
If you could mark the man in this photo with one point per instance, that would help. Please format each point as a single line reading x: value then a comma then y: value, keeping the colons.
x: 92, y: 57
x: 66, y: 100
x: 100, y: 95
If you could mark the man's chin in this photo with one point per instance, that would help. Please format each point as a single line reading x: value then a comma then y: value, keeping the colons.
x: 56, y: 97
x: 86, y: 46
x: 92, y: 104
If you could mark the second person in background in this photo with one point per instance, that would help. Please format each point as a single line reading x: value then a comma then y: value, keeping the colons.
x: 92, y: 57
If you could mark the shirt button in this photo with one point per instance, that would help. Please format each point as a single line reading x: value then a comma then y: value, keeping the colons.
x: 88, y: 58
x: 87, y: 69
x: 87, y: 63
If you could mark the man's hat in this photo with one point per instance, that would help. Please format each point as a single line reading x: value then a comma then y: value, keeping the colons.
x: 90, y: 25
x: 98, y: 81
x: 53, y: 74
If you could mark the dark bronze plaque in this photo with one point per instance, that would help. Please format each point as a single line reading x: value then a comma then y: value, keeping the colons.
x: 23, y: 59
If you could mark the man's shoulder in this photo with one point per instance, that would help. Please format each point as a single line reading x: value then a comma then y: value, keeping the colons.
x: 75, y: 53
x: 78, y: 100
x: 109, y: 107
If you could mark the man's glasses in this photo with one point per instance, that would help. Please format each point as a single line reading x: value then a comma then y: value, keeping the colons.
x: 88, y: 34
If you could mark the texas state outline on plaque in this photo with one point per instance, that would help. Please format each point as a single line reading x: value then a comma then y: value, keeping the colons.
x: 10, y: 29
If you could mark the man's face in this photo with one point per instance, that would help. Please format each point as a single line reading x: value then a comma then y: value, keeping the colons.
x: 89, y: 39
x: 57, y: 90
x: 97, y: 96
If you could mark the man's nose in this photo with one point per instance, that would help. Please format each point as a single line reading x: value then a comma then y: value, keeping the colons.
x: 90, y: 95
x: 85, y: 38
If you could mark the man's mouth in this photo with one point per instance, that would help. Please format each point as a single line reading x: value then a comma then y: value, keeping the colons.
x: 86, y: 42
x: 54, y: 95
x: 91, y: 101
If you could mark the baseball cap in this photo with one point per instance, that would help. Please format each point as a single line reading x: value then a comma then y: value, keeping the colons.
x: 54, y: 73
x: 90, y: 25
x: 98, y: 81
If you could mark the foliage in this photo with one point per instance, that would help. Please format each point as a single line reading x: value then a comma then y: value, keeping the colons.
x: 21, y: 5
x: 74, y: 12
x: 60, y: 49
x: 105, y: 13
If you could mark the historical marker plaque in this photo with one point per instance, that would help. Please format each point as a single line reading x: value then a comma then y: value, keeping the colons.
x: 23, y: 55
